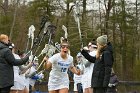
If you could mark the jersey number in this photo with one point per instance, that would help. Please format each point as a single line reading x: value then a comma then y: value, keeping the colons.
x: 63, y: 69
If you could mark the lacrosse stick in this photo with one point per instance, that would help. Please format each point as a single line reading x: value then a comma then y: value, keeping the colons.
x: 65, y: 30
x: 32, y: 29
x: 77, y: 20
x: 30, y: 35
x: 44, y: 50
x: 49, y: 50
x: 38, y: 40
x: 57, y: 45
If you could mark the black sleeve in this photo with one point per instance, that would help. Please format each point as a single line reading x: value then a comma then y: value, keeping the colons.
x: 9, y: 57
x: 88, y: 57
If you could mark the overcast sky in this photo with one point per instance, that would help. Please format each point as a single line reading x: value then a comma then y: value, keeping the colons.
x: 91, y: 4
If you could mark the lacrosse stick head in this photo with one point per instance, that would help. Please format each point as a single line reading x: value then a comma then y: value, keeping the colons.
x: 51, y: 29
x: 57, y: 45
x: 44, y: 19
x: 63, y: 40
x: 51, y: 51
x: 45, y: 49
x: 46, y: 27
x: 31, y: 31
x: 35, y: 62
x: 65, y: 30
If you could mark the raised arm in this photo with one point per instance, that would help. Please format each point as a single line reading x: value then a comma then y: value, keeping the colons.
x: 9, y: 57
x: 87, y: 56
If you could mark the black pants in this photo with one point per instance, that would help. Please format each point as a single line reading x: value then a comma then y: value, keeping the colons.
x: 30, y: 89
x: 99, y: 90
x: 5, y: 90
x: 79, y: 88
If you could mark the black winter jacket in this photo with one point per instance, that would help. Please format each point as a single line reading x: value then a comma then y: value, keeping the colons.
x: 7, y: 61
x: 102, y: 67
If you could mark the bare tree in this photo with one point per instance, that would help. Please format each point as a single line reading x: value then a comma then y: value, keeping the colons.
x: 108, y: 6
x: 14, y: 19
x: 4, y: 6
x: 137, y: 32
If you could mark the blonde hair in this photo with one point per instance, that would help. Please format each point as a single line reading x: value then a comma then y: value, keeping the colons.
x: 3, y: 37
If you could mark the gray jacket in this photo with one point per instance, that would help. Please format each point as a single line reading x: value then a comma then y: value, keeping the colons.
x: 7, y: 61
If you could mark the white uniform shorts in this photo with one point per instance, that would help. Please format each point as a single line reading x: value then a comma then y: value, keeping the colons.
x: 17, y: 86
x: 75, y: 87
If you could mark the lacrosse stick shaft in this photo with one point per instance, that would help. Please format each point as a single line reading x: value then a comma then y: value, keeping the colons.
x: 38, y: 46
x: 80, y: 33
x: 76, y: 16
x: 27, y: 45
x: 47, y: 51
x: 32, y: 43
x: 40, y: 65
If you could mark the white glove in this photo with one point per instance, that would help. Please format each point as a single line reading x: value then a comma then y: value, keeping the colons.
x: 35, y: 58
x: 110, y: 85
x: 85, y: 48
x: 113, y: 85
x: 30, y: 58
x: 41, y: 76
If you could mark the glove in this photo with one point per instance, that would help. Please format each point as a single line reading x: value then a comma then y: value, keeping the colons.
x: 113, y: 85
x: 30, y: 75
x: 25, y: 59
x: 85, y: 48
x: 41, y: 76
x: 30, y: 58
x: 110, y: 85
x: 35, y: 77
x: 27, y: 76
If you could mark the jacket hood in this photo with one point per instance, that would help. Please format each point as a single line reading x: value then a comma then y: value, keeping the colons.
x: 3, y: 45
x: 109, y: 47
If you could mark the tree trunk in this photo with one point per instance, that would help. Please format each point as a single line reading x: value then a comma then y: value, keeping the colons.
x: 137, y: 34
x: 5, y: 6
x: 84, y: 11
x: 101, y: 23
x: 108, y: 8
x: 114, y: 34
x: 84, y: 23
x: 14, y: 19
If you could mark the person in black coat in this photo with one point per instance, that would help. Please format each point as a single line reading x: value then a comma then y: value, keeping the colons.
x: 7, y: 61
x: 103, y: 63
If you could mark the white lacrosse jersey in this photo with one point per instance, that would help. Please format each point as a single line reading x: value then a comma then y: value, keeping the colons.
x: 58, y: 77
x: 18, y: 80
x: 87, y: 75
x: 93, y: 53
x: 32, y: 81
